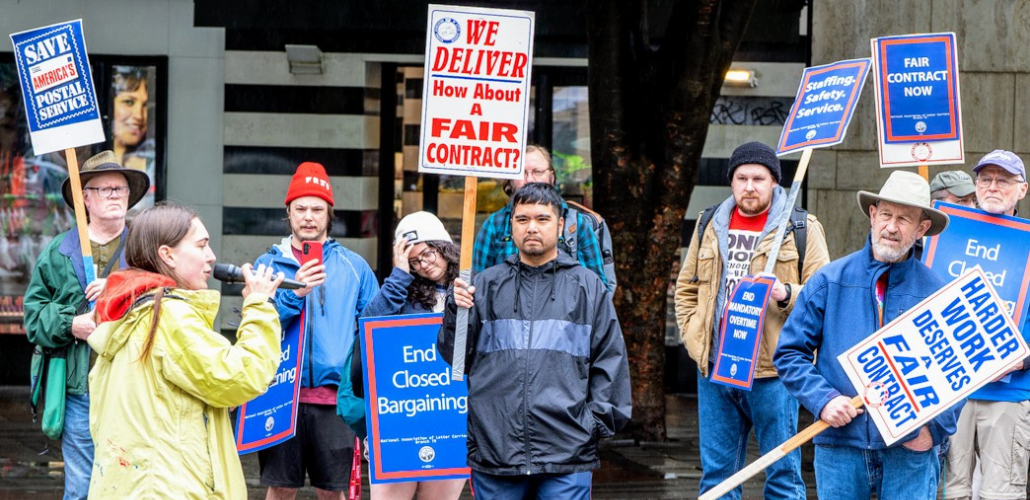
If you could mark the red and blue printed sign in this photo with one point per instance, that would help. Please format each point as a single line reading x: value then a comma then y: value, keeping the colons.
x: 918, y: 94
x: 740, y: 334
x: 60, y: 98
x: 999, y: 244
x: 824, y: 106
x: 271, y: 418
x: 417, y: 415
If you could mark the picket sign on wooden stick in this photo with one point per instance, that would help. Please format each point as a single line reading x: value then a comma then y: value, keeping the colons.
x: 80, y: 214
x: 468, y: 227
x: 774, y: 455
x: 795, y: 188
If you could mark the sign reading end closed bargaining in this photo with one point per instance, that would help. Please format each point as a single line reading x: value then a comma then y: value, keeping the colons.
x: 475, y: 98
x: 416, y: 412
x: 935, y: 355
x: 60, y: 99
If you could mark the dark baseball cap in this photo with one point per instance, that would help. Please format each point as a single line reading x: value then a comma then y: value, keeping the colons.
x: 956, y: 182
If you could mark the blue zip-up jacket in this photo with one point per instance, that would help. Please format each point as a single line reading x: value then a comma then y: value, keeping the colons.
x: 393, y: 297
x: 332, y: 308
x: 835, y: 310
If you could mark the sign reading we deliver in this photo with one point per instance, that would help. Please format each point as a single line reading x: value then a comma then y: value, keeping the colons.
x: 935, y: 355
x: 475, y: 96
x: 999, y: 244
x: 60, y: 99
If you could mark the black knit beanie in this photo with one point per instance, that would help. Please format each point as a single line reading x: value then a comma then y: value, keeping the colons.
x: 755, y: 152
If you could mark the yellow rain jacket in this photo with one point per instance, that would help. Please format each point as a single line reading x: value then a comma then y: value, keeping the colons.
x: 161, y: 426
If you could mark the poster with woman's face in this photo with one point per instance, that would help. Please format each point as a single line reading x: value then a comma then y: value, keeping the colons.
x: 132, y: 95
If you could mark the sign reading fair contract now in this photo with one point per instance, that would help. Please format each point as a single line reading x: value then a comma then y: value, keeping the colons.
x: 60, y: 100
x: 917, y: 100
x: 475, y: 98
x: 935, y: 355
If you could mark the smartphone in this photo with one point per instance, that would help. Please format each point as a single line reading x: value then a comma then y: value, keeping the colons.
x: 311, y: 250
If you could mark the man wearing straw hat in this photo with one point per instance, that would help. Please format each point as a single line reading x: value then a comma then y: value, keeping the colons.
x: 845, y: 302
x: 57, y: 315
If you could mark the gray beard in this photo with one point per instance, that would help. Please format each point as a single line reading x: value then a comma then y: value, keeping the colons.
x: 887, y: 254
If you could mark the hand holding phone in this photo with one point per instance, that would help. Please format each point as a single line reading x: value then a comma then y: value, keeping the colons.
x: 312, y: 270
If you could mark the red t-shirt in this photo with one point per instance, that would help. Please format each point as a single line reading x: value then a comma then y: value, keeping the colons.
x: 744, y: 237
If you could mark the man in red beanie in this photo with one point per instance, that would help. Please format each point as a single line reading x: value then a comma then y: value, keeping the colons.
x: 339, y: 285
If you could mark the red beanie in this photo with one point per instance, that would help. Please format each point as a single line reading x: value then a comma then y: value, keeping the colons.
x: 310, y: 180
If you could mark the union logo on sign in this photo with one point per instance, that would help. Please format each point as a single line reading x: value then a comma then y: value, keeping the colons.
x: 447, y: 30
x: 427, y: 454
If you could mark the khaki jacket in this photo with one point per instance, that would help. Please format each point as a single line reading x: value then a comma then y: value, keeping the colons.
x: 696, y: 296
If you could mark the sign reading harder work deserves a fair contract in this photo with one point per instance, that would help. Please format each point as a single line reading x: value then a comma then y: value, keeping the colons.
x: 824, y: 105
x: 740, y: 332
x: 60, y: 100
x: 935, y: 355
x: 416, y: 413
x: 999, y: 244
x: 917, y: 100
x: 475, y: 98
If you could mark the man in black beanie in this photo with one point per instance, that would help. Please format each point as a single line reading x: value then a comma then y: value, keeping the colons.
x: 735, y: 244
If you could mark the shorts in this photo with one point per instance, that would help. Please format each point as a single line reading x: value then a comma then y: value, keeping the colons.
x: 323, y: 448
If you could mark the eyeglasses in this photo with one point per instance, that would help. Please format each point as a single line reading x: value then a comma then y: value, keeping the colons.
x: 532, y: 174
x: 427, y: 257
x: 106, y: 192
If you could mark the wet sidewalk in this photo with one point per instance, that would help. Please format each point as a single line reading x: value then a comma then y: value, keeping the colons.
x: 629, y: 470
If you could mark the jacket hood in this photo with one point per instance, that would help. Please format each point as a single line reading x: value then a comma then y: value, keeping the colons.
x: 120, y: 313
x: 523, y: 271
x: 563, y: 261
x: 122, y: 290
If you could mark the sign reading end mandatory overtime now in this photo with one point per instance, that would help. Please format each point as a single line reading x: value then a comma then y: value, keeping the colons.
x: 475, y: 97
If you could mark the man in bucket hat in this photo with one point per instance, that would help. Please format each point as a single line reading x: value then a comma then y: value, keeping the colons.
x: 841, y: 305
x: 995, y: 423
x: 57, y: 315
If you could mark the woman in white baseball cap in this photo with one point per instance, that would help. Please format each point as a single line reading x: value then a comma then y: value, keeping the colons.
x: 425, y: 263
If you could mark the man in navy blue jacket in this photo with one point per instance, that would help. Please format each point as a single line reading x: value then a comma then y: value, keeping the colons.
x: 842, y: 304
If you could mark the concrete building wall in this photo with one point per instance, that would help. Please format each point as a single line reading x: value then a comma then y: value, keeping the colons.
x: 994, y: 68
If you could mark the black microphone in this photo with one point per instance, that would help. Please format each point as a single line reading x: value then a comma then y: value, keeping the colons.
x: 229, y: 273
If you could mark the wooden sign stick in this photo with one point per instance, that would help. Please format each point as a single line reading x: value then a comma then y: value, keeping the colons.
x: 924, y: 171
x: 468, y: 229
x: 795, y: 188
x: 771, y: 457
x: 80, y: 214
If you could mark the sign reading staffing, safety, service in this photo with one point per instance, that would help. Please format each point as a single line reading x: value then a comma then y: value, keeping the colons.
x: 475, y: 97
x: 999, y: 244
x: 917, y: 100
x: 935, y: 355
x: 417, y: 414
x: 740, y: 333
x: 823, y: 108
x: 60, y: 100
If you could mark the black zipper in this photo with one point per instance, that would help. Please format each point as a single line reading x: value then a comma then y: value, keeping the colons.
x: 525, y: 382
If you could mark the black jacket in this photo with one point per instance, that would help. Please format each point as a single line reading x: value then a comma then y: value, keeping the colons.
x: 547, y: 370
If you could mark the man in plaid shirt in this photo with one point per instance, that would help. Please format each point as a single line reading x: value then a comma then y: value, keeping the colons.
x: 494, y: 243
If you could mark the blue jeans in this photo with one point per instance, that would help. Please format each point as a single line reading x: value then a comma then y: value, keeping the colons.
x: 844, y: 472
x: 574, y: 486
x: 727, y: 415
x: 77, y: 447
